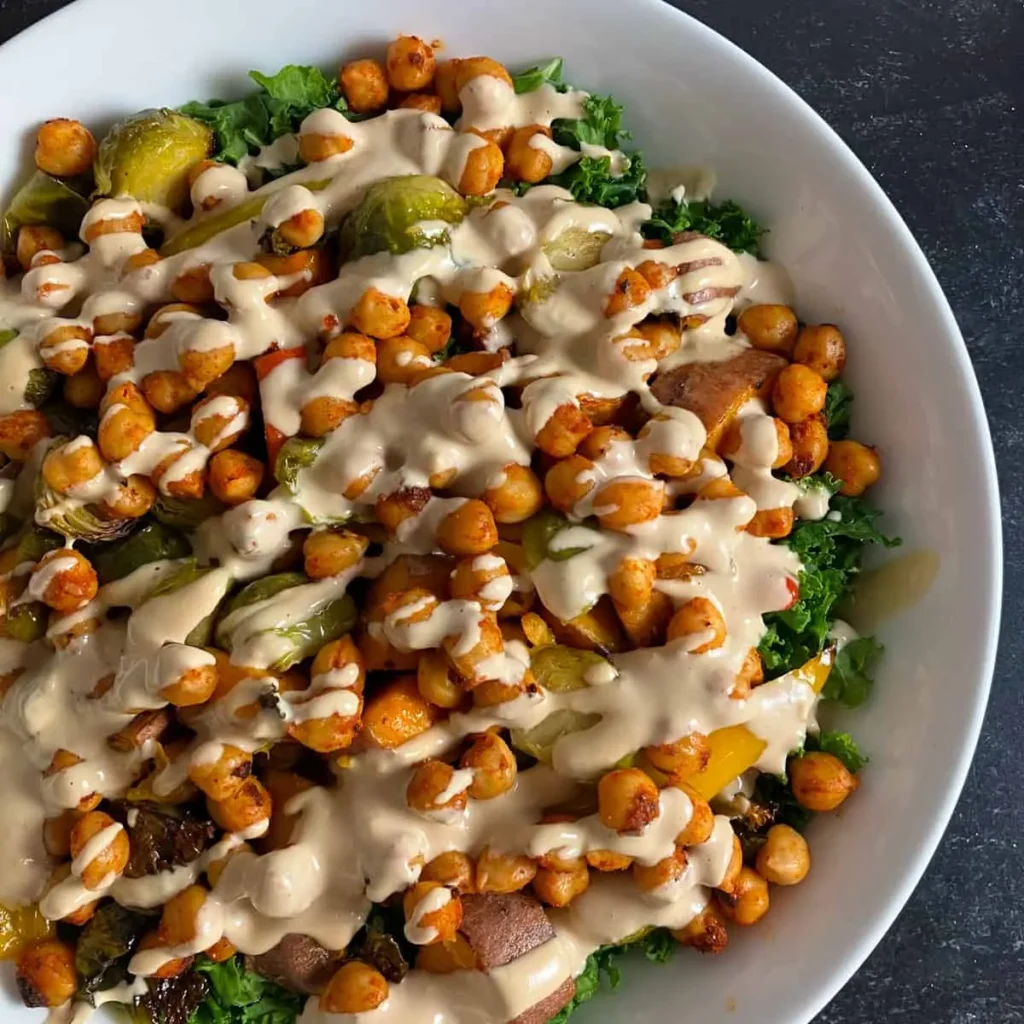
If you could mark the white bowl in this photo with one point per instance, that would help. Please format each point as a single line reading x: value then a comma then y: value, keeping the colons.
x: 691, y: 97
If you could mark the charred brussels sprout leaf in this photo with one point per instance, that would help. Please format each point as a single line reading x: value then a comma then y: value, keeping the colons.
x: 391, y: 215
x: 163, y: 837
x: 188, y: 572
x: 153, y: 543
x: 26, y: 622
x: 297, y: 453
x: 178, y: 1000
x: 563, y: 669
x: 35, y: 542
x: 539, y: 740
x: 44, y: 200
x: 382, y: 943
x: 40, y: 383
x: 185, y: 513
x: 104, y: 945
x: 148, y: 156
x: 262, y: 590
x: 538, y: 533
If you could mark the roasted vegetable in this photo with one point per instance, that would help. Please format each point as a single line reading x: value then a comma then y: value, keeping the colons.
x: 576, y: 249
x: 297, y: 963
x: 105, y: 944
x: 297, y: 453
x: 162, y: 837
x: 539, y: 741
x: 25, y: 622
x: 40, y: 382
x: 177, y: 1000
x: 20, y: 926
x: 390, y: 216
x: 148, y: 156
x: 539, y: 531
x: 563, y: 669
x: 596, y: 629
x: 44, y: 200
x: 152, y: 543
x: 185, y: 513
x: 188, y: 573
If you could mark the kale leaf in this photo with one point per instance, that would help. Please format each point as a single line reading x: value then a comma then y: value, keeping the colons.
x: 841, y: 745
x: 850, y: 680
x: 726, y: 222
x: 590, y: 180
x: 838, y: 407
x: 601, y: 125
x: 535, y: 77
x: 238, y: 996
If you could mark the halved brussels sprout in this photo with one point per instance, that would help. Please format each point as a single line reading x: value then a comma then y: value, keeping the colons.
x: 563, y: 669
x: 576, y: 249
x: 104, y: 946
x: 539, y: 741
x: 185, y: 513
x: 596, y: 629
x: 44, y: 200
x: 534, y: 289
x: 40, y: 382
x: 539, y: 531
x: 35, y: 542
x: 147, y: 156
x: 26, y: 622
x: 260, y: 590
x: 391, y: 216
x: 297, y: 453
x: 187, y: 573
x: 153, y: 543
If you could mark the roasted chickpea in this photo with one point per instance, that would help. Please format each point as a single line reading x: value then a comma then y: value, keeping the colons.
x: 706, y: 932
x: 425, y: 101
x: 234, y: 477
x: 784, y: 859
x: 64, y: 580
x: 167, y: 391
x: 330, y: 552
x: 393, y: 509
x: 608, y: 860
x: 215, y: 869
x: 453, y: 869
x: 468, y: 530
x: 84, y: 390
x: 220, y: 772
x: 379, y: 315
x: 171, y: 968
x: 515, y: 495
x: 410, y: 64
x: 702, y: 819
x: 64, y: 148
x: 325, y: 413
x: 772, y: 328
x: 355, y: 988
x: 490, y: 643
x: 798, y: 392
x: 503, y: 873
x: 623, y: 503
x: 493, y: 765
x: 365, y: 86
x: 65, y: 348
x: 179, y: 919
x: 430, y: 326
x: 113, y: 354
x: 681, y: 759
x: 525, y: 161
x: 483, y: 309
x: 131, y: 500
x: 46, y: 973
x: 437, y: 682
x: 72, y: 464
x: 314, y: 147
x: 732, y: 870
x: 401, y: 360
x: 245, y: 809
x: 567, y: 426
x: 446, y: 85
x: 433, y: 913
x: 192, y: 687
x: 34, y: 240
x: 650, y: 877
x: 630, y: 291
x: 434, y: 789
x: 468, y: 68
x: 108, y: 857
x: 193, y: 285
x: 748, y: 901
x: 822, y: 348
x: 558, y: 888
x: 697, y: 616
x: 809, y: 440
x: 855, y: 464
x: 772, y: 522
x: 21, y: 431
x: 568, y: 481
x: 627, y: 800
x: 396, y: 713
x: 820, y: 781
x: 482, y: 170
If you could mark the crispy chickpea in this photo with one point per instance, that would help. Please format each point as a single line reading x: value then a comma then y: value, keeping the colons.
x: 732, y: 440
x: 238, y: 381
x: 109, y: 860
x: 600, y: 440
x: 139, y: 260
x: 71, y: 464
x: 170, y: 481
x: 355, y: 988
x: 21, y: 431
x: 503, y: 873
x: 482, y: 170
x: 113, y: 354
x: 772, y: 522
x: 567, y: 426
x: 222, y: 775
x: 234, y: 476
x: 433, y: 789
x: 697, y: 616
x: 46, y: 973
x: 249, y: 805
x: 620, y: 504
x: 341, y: 655
x: 380, y: 316
x: 798, y: 392
x: 170, y: 969
x: 325, y: 413
x: 493, y: 765
x: 706, y: 932
x: 856, y: 465
x: 681, y: 759
x: 770, y: 327
x: 34, y: 240
x: 608, y: 860
x: 167, y: 391
x: 483, y: 578
x: 192, y: 687
x: 468, y: 530
x: 393, y: 509
x: 822, y: 348
x: 657, y: 275
x: 630, y: 291
x: 809, y: 440
x: 446, y: 85
x: 219, y: 420
x: 627, y: 800
x: 85, y: 911
x: 490, y: 643
x: 193, y: 285
x: 663, y: 337
x: 365, y: 85
x: 750, y: 674
x: 702, y: 819
x: 437, y: 682
x: 468, y: 68
x: 650, y: 877
x: 820, y: 781
x: 57, y: 834
x: 453, y: 869
x: 428, y: 925
x: 84, y: 389
x: 314, y: 148
x: 410, y: 64
x: 221, y: 950
x: 430, y: 326
x: 180, y: 916
x: 65, y: 348
x: 784, y: 859
x: 748, y: 902
x: 491, y: 692
x: 396, y: 713
x: 131, y: 500
x: 568, y: 481
x: 64, y: 148
x: 69, y: 580
x: 484, y: 309
x: 401, y: 360
x: 525, y: 161
x: 425, y: 101
x: 558, y: 888
x: 303, y: 229
x: 732, y: 870
x: 330, y: 552
x: 516, y: 494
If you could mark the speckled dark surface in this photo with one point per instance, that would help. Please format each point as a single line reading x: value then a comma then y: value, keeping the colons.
x: 930, y: 95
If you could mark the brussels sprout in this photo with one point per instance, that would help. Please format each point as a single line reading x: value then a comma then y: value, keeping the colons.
x: 104, y: 946
x: 148, y: 156
x: 296, y: 453
x: 174, y: 1000
x: 65, y: 419
x: 185, y: 513
x: 187, y: 573
x: 576, y: 249
x: 26, y: 622
x: 162, y: 837
x: 535, y: 290
x: 538, y: 532
x: 391, y: 214
x: 539, y: 741
x: 44, y: 200
x: 563, y: 669
x: 261, y: 590
x: 34, y: 543
x: 153, y: 543
x: 39, y: 382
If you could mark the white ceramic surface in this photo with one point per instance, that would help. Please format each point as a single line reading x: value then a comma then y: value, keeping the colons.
x: 691, y: 97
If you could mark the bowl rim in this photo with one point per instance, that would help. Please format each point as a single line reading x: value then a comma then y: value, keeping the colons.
x: 814, y: 998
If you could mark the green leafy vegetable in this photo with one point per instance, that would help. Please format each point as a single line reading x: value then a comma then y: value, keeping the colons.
x: 163, y: 836
x: 188, y: 572
x: 601, y: 125
x: 103, y: 947
x: 850, y: 680
x: 152, y: 543
x: 283, y: 101
x: 45, y: 200
x: 838, y: 407
x: 775, y: 796
x: 841, y: 745
x: 535, y: 77
x: 726, y: 222
x: 238, y: 996
x: 590, y: 180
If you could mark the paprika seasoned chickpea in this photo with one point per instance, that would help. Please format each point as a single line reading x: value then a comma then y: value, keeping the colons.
x: 341, y: 656
x: 193, y: 285
x: 514, y: 495
x: 65, y: 348
x: 234, y: 476
x: 558, y: 888
x: 430, y: 326
x: 435, y: 789
x: 785, y: 858
x: 484, y: 166
x: 131, y: 500
x: 219, y: 420
x: 856, y: 465
x: 608, y: 860
x: 627, y: 800
x: 630, y: 291
x: 324, y: 414
x: 219, y: 770
x: 72, y: 464
x: 681, y: 759
x: 651, y: 877
x: 503, y: 872
x: 64, y: 148
x: 192, y: 687
x: 698, y: 616
x: 365, y: 86
x: 380, y: 316
x: 748, y: 901
x: 798, y: 392
x: 483, y: 309
x: 482, y: 578
x: 355, y: 988
x: 21, y: 431
x: 113, y: 354
x: 820, y: 781
x: 401, y: 360
x: 623, y: 503
x: 569, y: 481
x: 315, y: 147
x: 396, y: 713
x: 772, y: 522
x: 46, y: 974
x: 437, y: 681
x: 453, y: 869
x: 84, y: 389
x: 171, y: 968
x: 64, y: 580
x: 810, y: 444
x: 822, y: 348
x: 469, y: 530
x: 446, y: 85
x: 706, y: 932
x: 770, y: 327
x: 525, y: 161
x: 410, y: 64
x: 702, y: 819
x: 567, y: 426
x: 35, y: 240
x: 247, y: 808
x: 179, y: 919
x: 99, y: 849
x: 167, y: 391
x: 600, y: 440
x: 86, y: 911
x: 302, y: 229
x: 425, y: 101
x: 331, y: 552
x: 433, y: 913
x: 468, y: 68
x: 490, y: 643
x: 493, y: 765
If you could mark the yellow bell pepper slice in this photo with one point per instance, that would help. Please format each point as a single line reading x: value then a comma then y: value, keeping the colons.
x: 735, y: 749
x: 20, y: 926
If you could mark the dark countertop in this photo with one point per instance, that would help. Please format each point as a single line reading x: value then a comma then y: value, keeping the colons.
x: 930, y: 95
